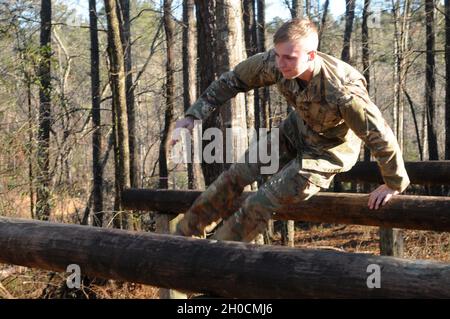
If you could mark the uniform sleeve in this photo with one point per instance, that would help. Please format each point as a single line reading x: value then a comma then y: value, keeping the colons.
x: 257, y: 71
x: 366, y: 120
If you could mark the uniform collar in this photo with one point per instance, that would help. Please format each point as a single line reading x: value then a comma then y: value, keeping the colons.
x: 312, y: 91
x: 317, y: 65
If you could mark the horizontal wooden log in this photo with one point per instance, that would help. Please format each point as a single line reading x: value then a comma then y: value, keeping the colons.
x: 423, y: 173
x: 402, y: 211
x: 227, y: 269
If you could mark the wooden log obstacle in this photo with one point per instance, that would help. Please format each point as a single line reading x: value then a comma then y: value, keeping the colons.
x: 402, y: 211
x: 227, y: 269
x: 239, y: 270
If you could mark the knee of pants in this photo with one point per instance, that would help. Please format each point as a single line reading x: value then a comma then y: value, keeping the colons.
x: 285, y: 190
x: 243, y: 174
x: 257, y: 208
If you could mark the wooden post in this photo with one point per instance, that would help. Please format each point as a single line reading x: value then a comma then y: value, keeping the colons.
x: 167, y: 224
x: 391, y: 242
x: 288, y: 233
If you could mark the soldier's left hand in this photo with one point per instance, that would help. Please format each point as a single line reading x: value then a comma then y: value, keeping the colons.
x: 380, y: 196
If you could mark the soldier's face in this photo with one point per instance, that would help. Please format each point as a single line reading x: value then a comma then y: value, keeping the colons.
x: 292, y: 59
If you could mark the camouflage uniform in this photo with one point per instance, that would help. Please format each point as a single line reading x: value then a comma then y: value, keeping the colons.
x: 333, y: 113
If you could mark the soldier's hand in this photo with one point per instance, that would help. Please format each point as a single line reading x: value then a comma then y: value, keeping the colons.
x: 380, y: 196
x: 184, y: 123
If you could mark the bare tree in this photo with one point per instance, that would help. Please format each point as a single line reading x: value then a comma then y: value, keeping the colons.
x: 189, y: 78
x: 229, y: 52
x: 30, y: 144
x: 120, y: 120
x: 251, y: 97
x: 324, y: 21
x: 349, y: 17
x: 308, y: 8
x: 262, y: 105
x: 251, y: 48
x: 163, y: 222
x: 401, y: 39
x: 249, y: 18
x: 430, y: 81
x: 169, y: 93
x: 206, y: 68
x: 397, y: 101
x: 221, y: 19
x: 416, y: 124
x: 43, y: 205
x: 366, y: 61
x: 391, y: 240
x: 97, y: 169
x: 447, y: 77
x: 346, y: 51
x: 125, y: 34
x: 365, y: 43
x: 297, y: 9
x: 206, y: 22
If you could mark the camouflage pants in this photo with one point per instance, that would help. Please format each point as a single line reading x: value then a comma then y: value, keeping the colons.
x: 289, y: 185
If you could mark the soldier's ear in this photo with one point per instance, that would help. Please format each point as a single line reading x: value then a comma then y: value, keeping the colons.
x: 311, y: 55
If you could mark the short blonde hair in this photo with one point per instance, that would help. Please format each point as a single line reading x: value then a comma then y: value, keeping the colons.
x: 297, y: 29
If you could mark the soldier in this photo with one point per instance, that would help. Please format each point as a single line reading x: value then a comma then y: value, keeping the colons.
x: 322, y: 137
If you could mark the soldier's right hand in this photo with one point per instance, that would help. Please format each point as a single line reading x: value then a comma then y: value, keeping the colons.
x: 184, y: 123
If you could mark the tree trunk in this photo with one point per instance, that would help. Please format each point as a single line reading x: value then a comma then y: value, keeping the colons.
x: 447, y: 82
x: 297, y: 9
x: 43, y: 205
x: 345, y: 55
x: 189, y: 79
x: 404, y: 46
x: 416, y: 124
x: 401, y: 37
x: 229, y: 52
x: 125, y: 35
x: 324, y: 21
x: 251, y: 97
x: 391, y: 240
x: 263, y: 93
x: 366, y: 67
x: 164, y: 224
x: 430, y: 86
x: 251, y: 48
x: 97, y: 169
x: 169, y: 92
x: 349, y: 16
x: 30, y: 148
x: 118, y: 87
x: 206, y: 69
x: 396, y: 16
x: 308, y: 8
x: 424, y: 134
x: 262, y: 105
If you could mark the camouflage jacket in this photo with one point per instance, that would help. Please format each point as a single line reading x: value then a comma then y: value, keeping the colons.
x: 334, y: 107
